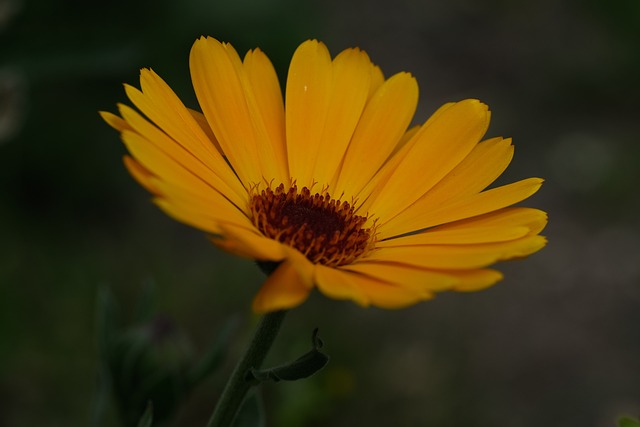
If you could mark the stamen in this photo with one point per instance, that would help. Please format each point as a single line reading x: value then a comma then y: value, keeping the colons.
x: 325, y: 230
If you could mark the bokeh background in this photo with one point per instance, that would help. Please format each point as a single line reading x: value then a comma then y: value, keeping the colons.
x: 556, y: 343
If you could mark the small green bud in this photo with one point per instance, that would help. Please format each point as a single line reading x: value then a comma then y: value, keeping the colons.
x: 150, y: 363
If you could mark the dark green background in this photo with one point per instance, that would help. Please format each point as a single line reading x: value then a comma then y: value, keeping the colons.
x: 556, y: 343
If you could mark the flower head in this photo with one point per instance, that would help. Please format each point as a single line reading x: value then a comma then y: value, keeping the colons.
x: 329, y: 184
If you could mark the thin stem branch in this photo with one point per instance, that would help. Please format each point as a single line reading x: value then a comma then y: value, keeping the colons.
x: 239, y: 385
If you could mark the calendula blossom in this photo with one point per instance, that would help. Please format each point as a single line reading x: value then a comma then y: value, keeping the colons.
x: 329, y: 185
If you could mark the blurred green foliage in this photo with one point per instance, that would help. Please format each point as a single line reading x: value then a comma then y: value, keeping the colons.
x: 628, y: 422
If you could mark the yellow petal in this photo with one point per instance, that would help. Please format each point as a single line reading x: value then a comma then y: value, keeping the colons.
x: 398, y: 155
x: 478, y: 170
x: 114, y: 121
x: 385, y: 295
x: 458, y: 256
x: 140, y: 174
x: 414, y: 219
x: 475, y: 280
x: 269, y: 107
x: 162, y: 106
x: 188, y: 216
x: 416, y: 279
x: 156, y: 144
x: 377, y: 79
x: 439, y: 146
x: 533, y: 219
x: 461, y: 236
x: 249, y: 243
x: 183, y: 196
x: 383, y: 122
x: 227, y: 100
x: 288, y: 286
x: 350, y: 81
x: 308, y: 97
x: 205, y: 202
x: 408, y: 136
x: 164, y: 166
x: 178, y: 183
x: 337, y: 284
x: 202, y: 122
x: 187, y: 198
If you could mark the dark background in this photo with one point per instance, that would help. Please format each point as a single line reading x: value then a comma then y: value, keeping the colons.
x: 557, y: 343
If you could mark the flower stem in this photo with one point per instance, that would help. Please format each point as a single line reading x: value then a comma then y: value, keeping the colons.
x: 239, y: 384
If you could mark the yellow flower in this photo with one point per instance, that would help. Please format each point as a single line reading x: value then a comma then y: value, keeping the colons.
x: 328, y: 185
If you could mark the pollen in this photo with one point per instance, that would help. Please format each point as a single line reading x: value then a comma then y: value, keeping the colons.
x: 325, y: 230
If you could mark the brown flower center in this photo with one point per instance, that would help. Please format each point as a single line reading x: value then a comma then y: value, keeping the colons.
x: 325, y: 230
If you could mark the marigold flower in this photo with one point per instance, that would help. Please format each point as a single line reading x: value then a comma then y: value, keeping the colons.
x: 329, y: 184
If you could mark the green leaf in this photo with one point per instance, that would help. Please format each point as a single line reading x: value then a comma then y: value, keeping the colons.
x: 628, y: 422
x: 251, y: 412
x: 147, y: 417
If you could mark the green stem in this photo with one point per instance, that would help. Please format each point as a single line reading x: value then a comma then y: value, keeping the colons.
x: 239, y: 385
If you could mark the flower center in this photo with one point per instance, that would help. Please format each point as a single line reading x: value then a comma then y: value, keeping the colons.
x: 325, y: 230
